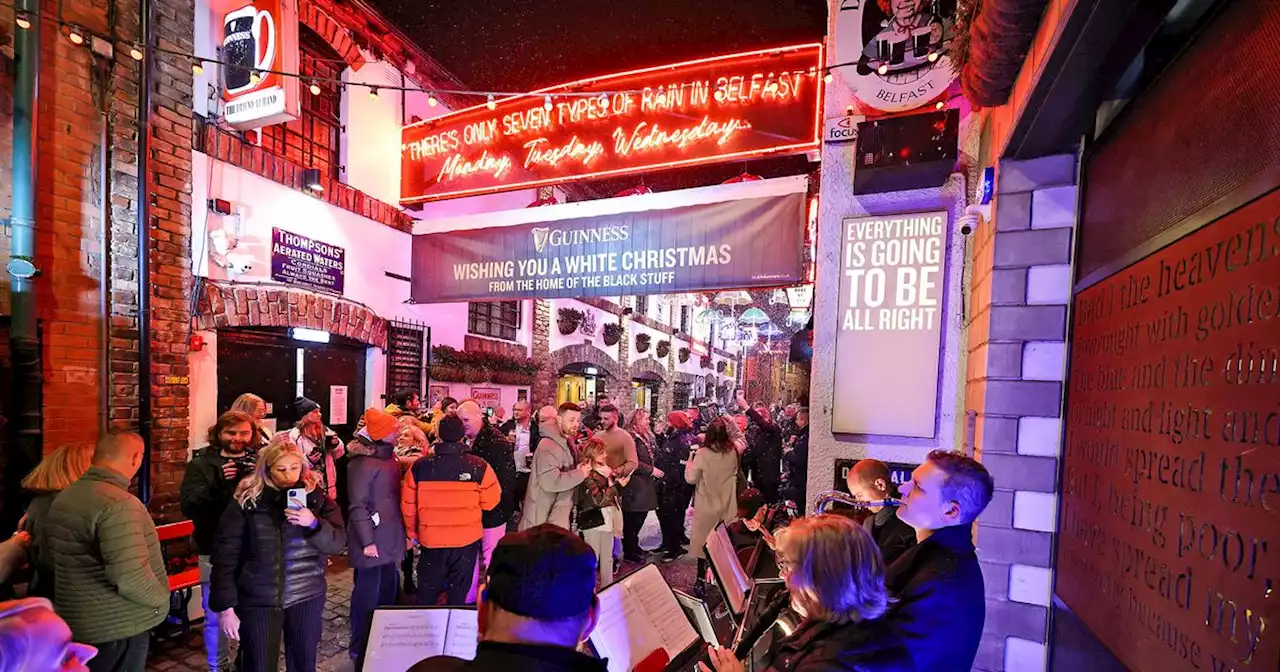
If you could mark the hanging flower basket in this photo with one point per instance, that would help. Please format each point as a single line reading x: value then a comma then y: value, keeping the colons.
x: 706, y: 361
x: 612, y: 333
x: 642, y: 342
x: 569, y: 320
x: 684, y: 355
x: 664, y: 349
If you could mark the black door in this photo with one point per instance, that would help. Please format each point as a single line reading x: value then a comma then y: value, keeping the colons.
x: 262, y: 363
x: 333, y: 365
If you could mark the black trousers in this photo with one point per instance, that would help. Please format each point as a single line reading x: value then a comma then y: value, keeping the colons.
x: 406, y: 570
x: 671, y: 510
x: 449, y: 570
x: 122, y: 655
x: 632, y: 522
x: 261, y: 631
x: 521, y: 489
x: 374, y: 587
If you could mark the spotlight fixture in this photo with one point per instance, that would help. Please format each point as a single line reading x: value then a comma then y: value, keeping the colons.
x: 848, y: 110
x: 933, y: 57
x: 255, y: 77
x: 491, y: 105
x: 373, y: 93
x: 431, y: 101
x: 75, y: 35
x: 197, y: 68
x: 311, y: 179
x: 828, y: 78
x: 546, y: 103
x: 135, y: 51
x: 23, y: 21
x: 315, y: 88
x: 882, y: 70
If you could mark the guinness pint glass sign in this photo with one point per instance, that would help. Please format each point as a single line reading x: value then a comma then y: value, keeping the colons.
x: 259, y: 39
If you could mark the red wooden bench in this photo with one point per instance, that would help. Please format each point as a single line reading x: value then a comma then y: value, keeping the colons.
x: 180, y: 584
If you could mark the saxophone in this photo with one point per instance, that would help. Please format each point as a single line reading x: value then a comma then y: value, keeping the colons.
x: 824, y: 500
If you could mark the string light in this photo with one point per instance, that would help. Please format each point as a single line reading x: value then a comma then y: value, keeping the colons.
x: 315, y: 88
x: 491, y: 105
x: 373, y: 93
x: 942, y: 104
x: 431, y: 101
x: 196, y: 67
x: 254, y: 78
x: 828, y: 78
x: 933, y: 57
x: 75, y: 36
x: 882, y: 70
x: 23, y: 21
x: 546, y: 103
x: 135, y: 51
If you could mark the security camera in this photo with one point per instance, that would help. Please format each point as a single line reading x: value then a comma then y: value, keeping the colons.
x: 973, y: 218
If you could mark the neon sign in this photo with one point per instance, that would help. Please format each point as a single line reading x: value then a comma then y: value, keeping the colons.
x: 712, y: 110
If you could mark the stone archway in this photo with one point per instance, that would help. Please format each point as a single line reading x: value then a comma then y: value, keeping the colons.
x: 227, y: 306
x: 585, y: 354
x: 649, y: 369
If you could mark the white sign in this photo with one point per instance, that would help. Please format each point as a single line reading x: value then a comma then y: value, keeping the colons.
x: 889, y: 324
x: 841, y: 129
x: 337, y: 404
x: 897, y: 49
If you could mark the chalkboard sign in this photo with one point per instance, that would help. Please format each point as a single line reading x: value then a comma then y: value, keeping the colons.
x: 405, y: 348
x: 899, y: 473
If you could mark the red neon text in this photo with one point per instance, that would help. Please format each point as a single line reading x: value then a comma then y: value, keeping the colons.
x: 575, y: 149
x: 458, y: 166
x: 646, y: 137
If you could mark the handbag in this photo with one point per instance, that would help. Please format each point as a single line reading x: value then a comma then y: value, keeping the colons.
x: 590, y: 519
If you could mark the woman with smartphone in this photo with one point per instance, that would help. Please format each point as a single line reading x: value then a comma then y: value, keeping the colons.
x: 269, y: 555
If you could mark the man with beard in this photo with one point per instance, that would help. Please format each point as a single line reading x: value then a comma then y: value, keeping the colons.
x: 591, y: 420
x: 207, y: 488
x: 556, y: 472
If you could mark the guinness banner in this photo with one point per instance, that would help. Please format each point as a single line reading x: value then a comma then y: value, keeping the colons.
x: 756, y: 242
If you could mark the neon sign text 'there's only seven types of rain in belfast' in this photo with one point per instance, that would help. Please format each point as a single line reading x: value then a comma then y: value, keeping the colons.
x: 725, y: 108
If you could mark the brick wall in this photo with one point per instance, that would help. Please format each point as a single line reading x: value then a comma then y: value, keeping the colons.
x: 1021, y: 286
x: 84, y: 100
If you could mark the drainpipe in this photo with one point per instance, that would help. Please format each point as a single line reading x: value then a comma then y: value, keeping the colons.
x: 23, y: 335
x: 144, y: 251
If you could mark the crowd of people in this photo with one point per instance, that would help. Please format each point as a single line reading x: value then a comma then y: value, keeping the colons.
x: 450, y: 505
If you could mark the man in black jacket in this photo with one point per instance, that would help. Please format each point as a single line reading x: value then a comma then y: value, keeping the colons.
x: 938, y: 584
x: 523, y: 433
x: 207, y: 486
x: 537, y: 607
x: 795, y: 457
x: 869, y: 481
x: 488, y: 444
x: 764, y: 443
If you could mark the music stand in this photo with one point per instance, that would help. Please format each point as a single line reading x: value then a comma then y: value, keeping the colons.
x: 726, y: 567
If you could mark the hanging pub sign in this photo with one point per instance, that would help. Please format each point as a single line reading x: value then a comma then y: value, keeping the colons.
x: 727, y: 108
x: 896, y: 51
x: 298, y: 260
x: 754, y: 242
x: 889, y: 324
x: 259, y: 40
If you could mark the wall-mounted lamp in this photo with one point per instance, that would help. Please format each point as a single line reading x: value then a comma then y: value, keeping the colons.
x: 311, y: 179
x: 309, y: 335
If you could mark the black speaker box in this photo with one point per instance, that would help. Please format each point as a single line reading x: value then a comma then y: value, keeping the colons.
x: 912, y: 152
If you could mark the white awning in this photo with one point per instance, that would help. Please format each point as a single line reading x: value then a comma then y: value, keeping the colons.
x: 718, y: 193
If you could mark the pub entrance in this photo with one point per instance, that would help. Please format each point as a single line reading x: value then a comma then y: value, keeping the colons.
x: 279, y: 368
x: 578, y: 383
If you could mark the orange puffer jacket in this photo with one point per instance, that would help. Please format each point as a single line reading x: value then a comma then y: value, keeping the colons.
x: 443, y: 495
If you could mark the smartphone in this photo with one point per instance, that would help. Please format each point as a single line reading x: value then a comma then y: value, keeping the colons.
x: 297, y: 498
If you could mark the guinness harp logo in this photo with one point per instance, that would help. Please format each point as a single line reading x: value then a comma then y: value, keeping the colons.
x: 540, y: 236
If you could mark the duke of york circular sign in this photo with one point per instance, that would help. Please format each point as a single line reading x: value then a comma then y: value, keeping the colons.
x: 897, y: 51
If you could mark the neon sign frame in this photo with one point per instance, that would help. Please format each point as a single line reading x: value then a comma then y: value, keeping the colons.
x: 529, y: 105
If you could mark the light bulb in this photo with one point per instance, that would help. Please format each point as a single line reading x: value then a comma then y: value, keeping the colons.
x: 941, y: 105
x: 136, y: 52
x: 828, y: 78
x: 933, y: 57
x: 431, y: 101
x: 315, y: 88
x: 373, y: 93
x: 254, y: 77
x: 75, y: 36
x: 197, y: 68
x: 491, y: 105
x: 546, y: 103
x: 604, y: 101
x: 23, y: 21
x: 882, y: 70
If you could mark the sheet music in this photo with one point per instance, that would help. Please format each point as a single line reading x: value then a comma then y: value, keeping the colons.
x: 639, y: 615
x: 400, y: 638
x: 728, y: 569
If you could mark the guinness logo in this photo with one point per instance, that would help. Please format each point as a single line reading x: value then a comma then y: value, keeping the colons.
x: 540, y: 236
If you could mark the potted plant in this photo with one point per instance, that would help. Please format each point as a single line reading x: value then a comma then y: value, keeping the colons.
x: 664, y: 349
x: 684, y: 355
x: 612, y: 333
x: 568, y: 320
x: 642, y: 342
x: 706, y: 361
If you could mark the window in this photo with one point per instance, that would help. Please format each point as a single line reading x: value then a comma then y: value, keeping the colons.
x: 684, y: 319
x: 642, y: 306
x: 313, y: 139
x: 494, y: 319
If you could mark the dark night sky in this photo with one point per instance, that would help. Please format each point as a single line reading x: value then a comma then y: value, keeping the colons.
x: 521, y: 45
x: 527, y: 44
